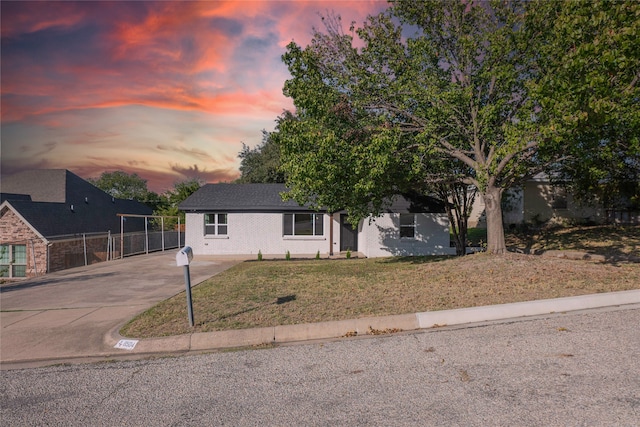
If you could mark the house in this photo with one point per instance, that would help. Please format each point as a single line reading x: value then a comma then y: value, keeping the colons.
x: 42, y: 213
x: 540, y: 201
x: 244, y: 219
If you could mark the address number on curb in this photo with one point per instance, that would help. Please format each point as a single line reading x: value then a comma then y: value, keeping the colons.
x: 126, y: 344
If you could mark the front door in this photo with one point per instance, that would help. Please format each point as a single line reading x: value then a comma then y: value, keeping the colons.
x: 348, y: 235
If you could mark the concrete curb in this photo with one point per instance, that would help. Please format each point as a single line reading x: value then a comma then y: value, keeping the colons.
x: 374, y: 325
x: 525, y: 309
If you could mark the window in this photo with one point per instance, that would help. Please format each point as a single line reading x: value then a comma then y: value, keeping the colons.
x: 13, y: 260
x: 408, y: 225
x: 303, y: 224
x: 559, y: 198
x: 215, y: 224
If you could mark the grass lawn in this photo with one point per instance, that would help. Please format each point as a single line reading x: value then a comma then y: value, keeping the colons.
x: 270, y: 293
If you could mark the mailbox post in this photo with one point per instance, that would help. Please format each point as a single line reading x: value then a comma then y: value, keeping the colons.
x: 183, y: 258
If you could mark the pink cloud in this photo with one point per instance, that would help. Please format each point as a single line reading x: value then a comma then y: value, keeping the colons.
x: 73, y: 72
x: 30, y: 17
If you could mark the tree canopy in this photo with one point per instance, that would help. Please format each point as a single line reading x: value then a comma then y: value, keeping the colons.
x: 173, y: 197
x: 438, y: 93
x: 122, y: 185
x: 262, y: 163
x: 592, y: 95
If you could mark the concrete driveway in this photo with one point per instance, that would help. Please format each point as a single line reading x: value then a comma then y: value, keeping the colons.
x: 69, y: 314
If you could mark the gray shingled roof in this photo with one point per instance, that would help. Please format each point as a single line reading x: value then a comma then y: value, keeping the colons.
x: 93, y: 209
x: 43, y: 185
x: 266, y: 198
x: 239, y: 198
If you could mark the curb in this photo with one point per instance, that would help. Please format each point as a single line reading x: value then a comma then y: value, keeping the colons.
x: 526, y: 309
x: 203, y: 341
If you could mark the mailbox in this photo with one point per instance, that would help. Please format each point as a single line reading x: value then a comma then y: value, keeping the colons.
x: 184, y: 256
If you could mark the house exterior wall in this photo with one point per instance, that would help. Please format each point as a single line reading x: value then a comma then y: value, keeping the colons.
x: 249, y: 233
x: 381, y: 237
x: 14, y: 231
x: 513, y: 206
x: 539, y: 206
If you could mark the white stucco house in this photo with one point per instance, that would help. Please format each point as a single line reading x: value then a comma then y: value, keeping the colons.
x: 244, y: 219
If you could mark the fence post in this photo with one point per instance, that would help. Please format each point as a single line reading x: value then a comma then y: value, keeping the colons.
x: 146, y: 236
x: 162, y: 231
x: 84, y: 244
x: 121, y: 237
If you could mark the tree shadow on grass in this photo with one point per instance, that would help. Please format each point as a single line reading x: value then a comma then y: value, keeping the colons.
x: 623, y: 242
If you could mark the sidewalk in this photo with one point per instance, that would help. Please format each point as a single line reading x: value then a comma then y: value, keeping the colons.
x: 75, y: 315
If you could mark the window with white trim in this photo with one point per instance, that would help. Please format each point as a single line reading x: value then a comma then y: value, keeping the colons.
x: 13, y: 260
x: 303, y: 224
x: 215, y: 224
x: 408, y: 226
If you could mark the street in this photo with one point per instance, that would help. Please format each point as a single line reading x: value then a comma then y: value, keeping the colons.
x: 580, y: 368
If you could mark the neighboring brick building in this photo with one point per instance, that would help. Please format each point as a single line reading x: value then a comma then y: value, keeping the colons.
x: 42, y: 212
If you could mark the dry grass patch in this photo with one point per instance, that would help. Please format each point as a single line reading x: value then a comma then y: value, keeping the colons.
x: 270, y: 293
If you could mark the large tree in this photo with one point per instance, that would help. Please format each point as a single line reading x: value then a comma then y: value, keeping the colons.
x: 448, y: 101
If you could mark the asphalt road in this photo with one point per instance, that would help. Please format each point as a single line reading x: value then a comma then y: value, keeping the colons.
x: 575, y: 369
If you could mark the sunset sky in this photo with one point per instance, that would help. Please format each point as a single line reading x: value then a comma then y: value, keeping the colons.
x: 167, y: 90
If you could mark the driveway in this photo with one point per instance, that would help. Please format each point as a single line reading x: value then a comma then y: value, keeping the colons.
x: 68, y: 314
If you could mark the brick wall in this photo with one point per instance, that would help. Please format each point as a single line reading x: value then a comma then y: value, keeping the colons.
x: 14, y: 231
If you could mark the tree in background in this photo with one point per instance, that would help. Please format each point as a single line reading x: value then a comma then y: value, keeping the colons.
x: 122, y: 185
x: 262, y: 163
x: 456, y: 99
x: 591, y: 94
x: 172, y: 198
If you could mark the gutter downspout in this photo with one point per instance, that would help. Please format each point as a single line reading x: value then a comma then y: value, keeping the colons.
x: 331, y: 234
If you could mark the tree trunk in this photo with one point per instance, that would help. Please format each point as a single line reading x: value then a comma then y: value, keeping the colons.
x: 459, y: 228
x: 458, y: 205
x: 495, y: 228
